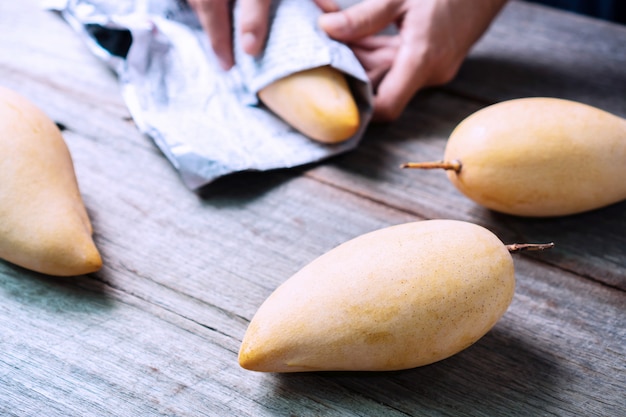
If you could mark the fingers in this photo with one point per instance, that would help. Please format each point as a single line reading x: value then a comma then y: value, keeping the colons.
x: 405, y: 77
x: 362, y: 19
x: 391, y: 66
x: 253, y: 24
x: 376, y: 54
x: 371, y: 43
x: 374, y: 70
x: 215, y: 19
x: 327, y: 6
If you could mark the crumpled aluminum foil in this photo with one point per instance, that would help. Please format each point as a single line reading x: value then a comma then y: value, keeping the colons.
x: 208, y: 122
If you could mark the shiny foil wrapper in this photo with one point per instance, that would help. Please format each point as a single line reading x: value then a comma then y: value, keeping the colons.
x: 208, y: 122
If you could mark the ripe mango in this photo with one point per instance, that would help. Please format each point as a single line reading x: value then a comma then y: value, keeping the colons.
x: 317, y: 102
x: 538, y: 157
x: 396, y: 298
x: 44, y: 226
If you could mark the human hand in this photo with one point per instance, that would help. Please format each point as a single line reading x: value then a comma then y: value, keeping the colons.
x: 215, y: 16
x: 432, y: 40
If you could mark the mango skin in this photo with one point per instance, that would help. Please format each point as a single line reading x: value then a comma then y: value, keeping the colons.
x: 396, y: 298
x: 540, y: 157
x: 44, y: 225
x: 317, y: 102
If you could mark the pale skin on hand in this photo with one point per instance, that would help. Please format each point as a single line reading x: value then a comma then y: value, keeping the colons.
x: 433, y: 38
x: 215, y: 18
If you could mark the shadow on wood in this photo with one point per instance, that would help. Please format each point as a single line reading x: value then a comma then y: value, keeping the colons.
x: 485, y: 77
x: 581, y: 241
x: 245, y: 186
x: 513, y: 367
x: 54, y: 295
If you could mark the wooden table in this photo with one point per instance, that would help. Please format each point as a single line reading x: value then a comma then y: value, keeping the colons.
x: 157, y: 330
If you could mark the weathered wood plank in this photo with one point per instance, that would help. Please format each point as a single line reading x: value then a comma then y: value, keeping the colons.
x: 148, y: 356
x: 533, y: 50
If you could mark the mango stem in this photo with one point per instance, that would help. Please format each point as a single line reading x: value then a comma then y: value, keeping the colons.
x: 519, y: 247
x: 454, y: 165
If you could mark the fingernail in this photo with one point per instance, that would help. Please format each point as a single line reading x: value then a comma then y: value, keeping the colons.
x: 333, y: 23
x: 248, y: 42
x: 224, y: 63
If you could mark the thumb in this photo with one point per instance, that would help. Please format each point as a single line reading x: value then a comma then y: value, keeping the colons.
x: 362, y: 19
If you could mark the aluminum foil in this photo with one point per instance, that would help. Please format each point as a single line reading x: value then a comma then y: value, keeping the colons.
x: 208, y: 122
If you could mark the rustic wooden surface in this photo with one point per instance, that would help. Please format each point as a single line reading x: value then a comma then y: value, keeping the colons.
x: 157, y: 330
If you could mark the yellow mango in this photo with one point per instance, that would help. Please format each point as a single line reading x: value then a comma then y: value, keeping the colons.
x: 44, y: 226
x: 396, y: 298
x: 538, y: 157
x: 317, y: 102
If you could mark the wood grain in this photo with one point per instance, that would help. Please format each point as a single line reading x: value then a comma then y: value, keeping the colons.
x: 157, y: 330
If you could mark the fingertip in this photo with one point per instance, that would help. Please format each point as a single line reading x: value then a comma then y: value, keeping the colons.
x: 386, y: 111
x: 224, y: 57
x: 226, y: 64
x: 327, y: 5
x: 254, y: 25
x: 334, y: 24
x: 249, y: 43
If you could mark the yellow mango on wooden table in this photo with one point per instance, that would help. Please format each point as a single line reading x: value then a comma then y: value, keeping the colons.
x: 395, y: 298
x: 538, y: 157
x: 44, y: 225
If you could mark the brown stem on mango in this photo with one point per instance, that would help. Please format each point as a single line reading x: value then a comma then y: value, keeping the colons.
x: 454, y: 165
x: 519, y: 247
